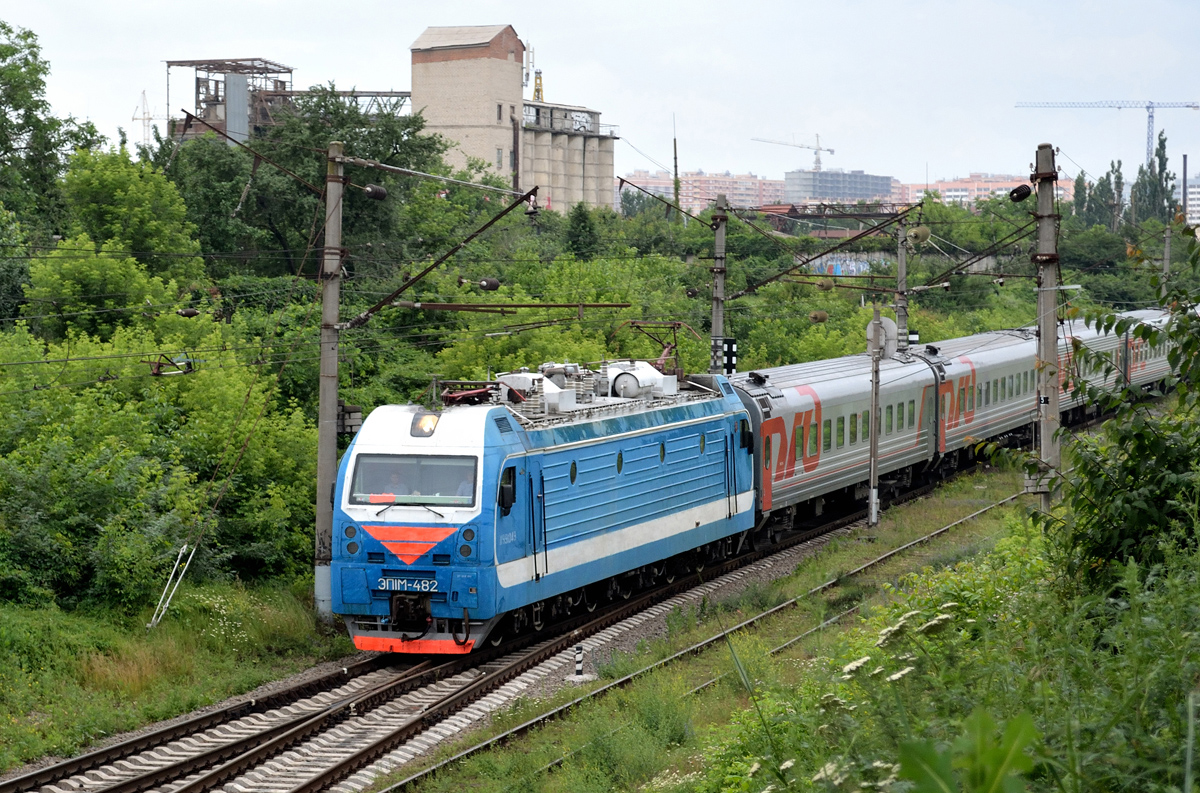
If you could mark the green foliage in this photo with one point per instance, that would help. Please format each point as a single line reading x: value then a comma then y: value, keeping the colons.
x: 77, y: 288
x: 583, y: 239
x: 72, y: 678
x: 1090, y: 692
x: 34, y: 144
x: 989, y: 765
x: 1152, y: 196
x: 14, y: 266
x: 133, y: 209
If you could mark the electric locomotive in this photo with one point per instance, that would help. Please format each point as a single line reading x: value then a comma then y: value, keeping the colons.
x: 555, y: 491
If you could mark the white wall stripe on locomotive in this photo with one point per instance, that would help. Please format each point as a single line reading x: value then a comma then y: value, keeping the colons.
x: 583, y: 552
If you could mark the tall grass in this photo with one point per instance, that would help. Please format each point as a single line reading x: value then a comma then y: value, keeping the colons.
x: 69, y: 678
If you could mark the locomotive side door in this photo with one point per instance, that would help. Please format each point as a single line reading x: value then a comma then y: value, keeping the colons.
x: 512, y: 512
x: 536, y: 524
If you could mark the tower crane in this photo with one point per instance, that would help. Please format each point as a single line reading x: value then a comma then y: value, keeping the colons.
x: 817, y: 148
x: 1122, y: 103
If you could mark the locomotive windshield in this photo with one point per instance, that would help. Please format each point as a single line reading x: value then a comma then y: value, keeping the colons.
x: 413, y: 479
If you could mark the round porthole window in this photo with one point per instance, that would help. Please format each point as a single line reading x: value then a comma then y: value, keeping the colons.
x: 620, y: 461
x: 574, y: 471
x: 662, y: 452
x: 702, y: 444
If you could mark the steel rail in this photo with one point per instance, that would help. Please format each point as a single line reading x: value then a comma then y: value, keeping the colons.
x: 163, y: 735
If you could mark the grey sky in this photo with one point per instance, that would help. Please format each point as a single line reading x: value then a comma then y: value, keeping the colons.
x: 894, y: 88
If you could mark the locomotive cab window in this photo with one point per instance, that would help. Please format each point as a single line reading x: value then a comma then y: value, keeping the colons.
x: 508, y: 490
x: 413, y: 479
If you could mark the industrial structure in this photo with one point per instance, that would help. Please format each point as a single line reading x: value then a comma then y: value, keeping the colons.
x: 239, y: 96
x: 468, y: 84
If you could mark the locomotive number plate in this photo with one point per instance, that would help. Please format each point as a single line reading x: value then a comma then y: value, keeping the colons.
x: 408, y: 584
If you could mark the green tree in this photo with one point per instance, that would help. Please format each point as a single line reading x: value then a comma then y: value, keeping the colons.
x: 1152, y: 196
x: 582, y: 236
x: 34, y: 144
x: 77, y: 288
x: 128, y: 206
x: 14, y: 266
x: 1079, y: 206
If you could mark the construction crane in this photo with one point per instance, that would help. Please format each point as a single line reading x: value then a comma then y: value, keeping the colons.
x: 1123, y: 103
x: 818, y: 148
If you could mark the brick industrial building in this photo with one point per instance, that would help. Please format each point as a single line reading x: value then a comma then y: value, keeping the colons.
x: 468, y: 82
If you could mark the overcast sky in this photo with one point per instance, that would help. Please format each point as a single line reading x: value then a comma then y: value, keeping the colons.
x: 904, y: 89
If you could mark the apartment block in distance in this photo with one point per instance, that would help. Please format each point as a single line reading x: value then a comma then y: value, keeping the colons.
x: 837, y: 185
x: 967, y: 190
x: 469, y: 82
x: 697, y: 189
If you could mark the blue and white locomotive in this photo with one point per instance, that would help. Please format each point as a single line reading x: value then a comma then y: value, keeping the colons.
x: 564, y: 488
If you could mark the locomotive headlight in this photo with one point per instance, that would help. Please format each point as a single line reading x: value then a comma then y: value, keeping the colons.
x: 468, y: 534
x: 352, y: 548
x: 465, y: 550
x: 423, y: 425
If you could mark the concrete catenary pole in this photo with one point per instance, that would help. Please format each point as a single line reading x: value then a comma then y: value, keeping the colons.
x: 331, y: 273
x: 1166, y: 273
x: 876, y: 353
x: 901, y: 288
x: 716, y: 365
x: 1046, y: 258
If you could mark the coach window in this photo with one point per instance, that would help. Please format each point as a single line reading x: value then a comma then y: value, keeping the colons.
x: 853, y: 428
x: 912, y: 413
x: 866, y: 424
x: 841, y: 431
x: 767, y: 452
x: 996, y: 390
x: 814, y: 439
x: 987, y: 393
x: 962, y: 399
x: 971, y: 398
x: 899, y: 417
x: 826, y: 435
x: 887, y: 427
x: 1010, y: 385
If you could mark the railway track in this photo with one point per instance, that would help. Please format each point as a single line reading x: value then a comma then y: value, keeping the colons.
x: 363, y: 719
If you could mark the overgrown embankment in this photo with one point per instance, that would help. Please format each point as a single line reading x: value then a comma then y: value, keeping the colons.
x: 72, y: 678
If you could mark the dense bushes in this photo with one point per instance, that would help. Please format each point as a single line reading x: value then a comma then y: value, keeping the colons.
x: 1105, y: 681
